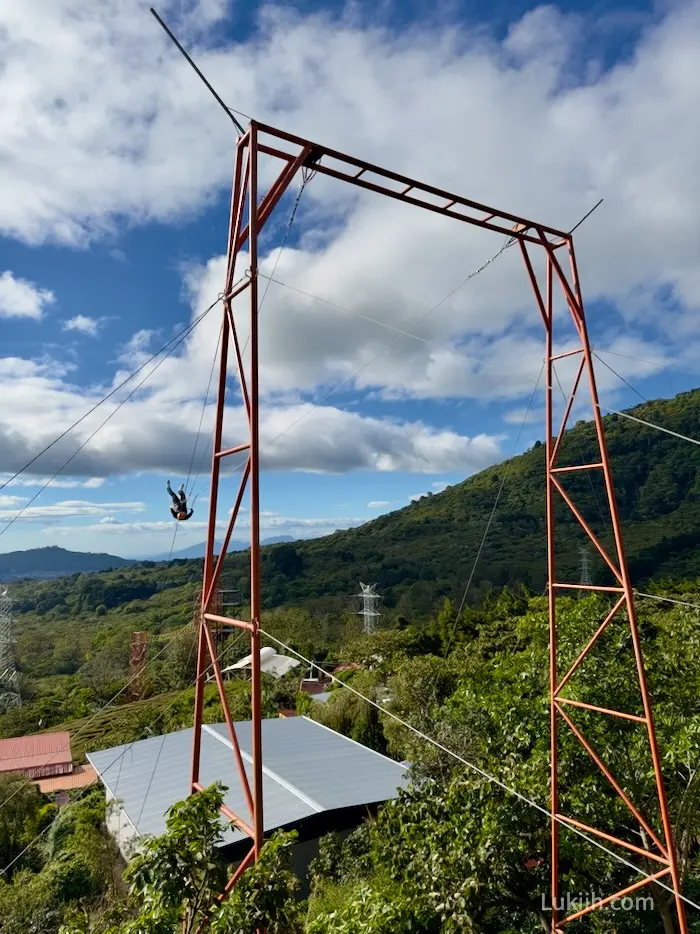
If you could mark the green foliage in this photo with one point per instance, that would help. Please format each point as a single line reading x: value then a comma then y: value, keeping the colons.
x: 342, y: 860
x: 21, y: 818
x: 265, y: 896
x: 175, y: 880
x: 347, y: 713
x: 372, y: 911
x: 176, y: 876
x: 74, y: 631
x: 72, y: 863
x: 457, y: 853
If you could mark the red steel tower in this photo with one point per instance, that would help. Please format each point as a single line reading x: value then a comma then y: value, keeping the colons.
x: 249, y: 213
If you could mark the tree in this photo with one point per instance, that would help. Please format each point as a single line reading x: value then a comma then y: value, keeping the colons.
x: 73, y: 862
x: 22, y: 816
x: 446, y: 622
x: 180, y: 667
x: 176, y: 880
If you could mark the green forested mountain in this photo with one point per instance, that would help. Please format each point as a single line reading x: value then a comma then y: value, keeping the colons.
x: 427, y: 549
x: 454, y: 853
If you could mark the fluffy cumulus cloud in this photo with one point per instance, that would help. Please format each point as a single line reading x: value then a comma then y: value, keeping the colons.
x: 84, y: 324
x: 115, y: 128
x: 6, y: 500
x: 271, y: 523
x: 67, y: 509
x: 112, y: 93
x: 92, y: 483
x: 293, y: 437
x: 22, y: 299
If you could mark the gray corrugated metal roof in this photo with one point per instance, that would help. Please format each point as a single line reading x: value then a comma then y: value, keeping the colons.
x: 307, y: 768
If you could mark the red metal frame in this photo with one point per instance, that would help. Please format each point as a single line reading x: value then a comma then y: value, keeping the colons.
x: 249, y: 213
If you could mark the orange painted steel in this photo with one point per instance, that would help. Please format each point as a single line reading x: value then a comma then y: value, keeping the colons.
x: 617, y: 895
x: 613, y: 713
x: 613, y: 781
x: 611, y: 838
x: 617, y: 564
x: 249, y: 213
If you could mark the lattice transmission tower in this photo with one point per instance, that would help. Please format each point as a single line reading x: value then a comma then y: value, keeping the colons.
x: 9, y: 682
x: 585, y: 577
x: 369, y: 612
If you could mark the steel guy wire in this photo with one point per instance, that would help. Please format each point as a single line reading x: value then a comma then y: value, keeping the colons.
x: 181, y: 334
x: 482, y: 772
x: 493, y: 512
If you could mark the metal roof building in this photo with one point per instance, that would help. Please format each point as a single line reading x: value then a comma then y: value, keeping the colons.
x: 38, y: 756
x: 314, y: 779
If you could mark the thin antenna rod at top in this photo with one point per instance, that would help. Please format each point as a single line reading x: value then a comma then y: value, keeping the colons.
x: 207, y: 83
x: 586, y: 216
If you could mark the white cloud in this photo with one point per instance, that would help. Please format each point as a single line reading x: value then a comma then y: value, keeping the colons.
x: 378, y: 504
x: 522, y: 416
x: 92, y: 483
x: 158, y: 433
x: 82, y: 323
x: 115, y: 527
x: 114, y: 128
x: 270, y: 522
x: 68, y: 509
x: 114, y: 124
x: 22, y: 299
x: 6, y: 500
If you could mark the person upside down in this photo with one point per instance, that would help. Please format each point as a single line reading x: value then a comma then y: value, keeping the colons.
x: 179, y: 507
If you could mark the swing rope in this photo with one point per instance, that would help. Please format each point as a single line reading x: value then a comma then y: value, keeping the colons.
x: 307, y: 175
x: 196, y: 443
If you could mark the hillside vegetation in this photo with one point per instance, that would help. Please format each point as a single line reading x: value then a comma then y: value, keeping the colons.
x: 425, y: 551
x: 73, y: 632
x: 454, y: 853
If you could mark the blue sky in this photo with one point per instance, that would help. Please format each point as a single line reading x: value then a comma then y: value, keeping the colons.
x: 113, y: 216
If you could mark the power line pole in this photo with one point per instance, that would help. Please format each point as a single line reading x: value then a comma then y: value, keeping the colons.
x: 9, y: 682
x: 370, y: 600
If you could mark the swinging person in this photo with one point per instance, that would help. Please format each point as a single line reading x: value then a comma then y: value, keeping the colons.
x: 179, y: 507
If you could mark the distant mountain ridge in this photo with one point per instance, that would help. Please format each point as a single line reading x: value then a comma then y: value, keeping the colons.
x: 52, y: 561
x: 197, y: 551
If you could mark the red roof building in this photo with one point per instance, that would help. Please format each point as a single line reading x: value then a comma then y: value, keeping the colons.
x: 80, y: 777
x: 40, y: 756
x: 312, y: 686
